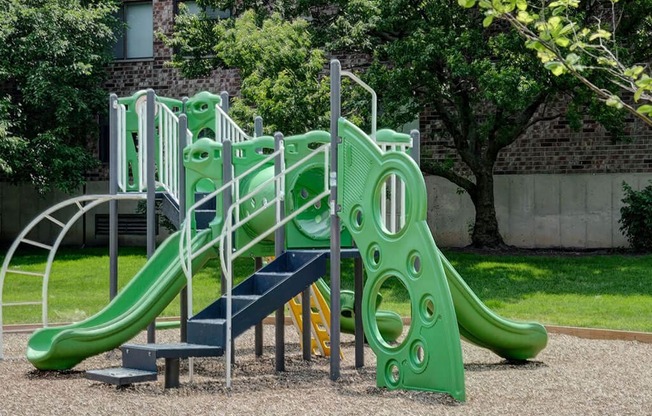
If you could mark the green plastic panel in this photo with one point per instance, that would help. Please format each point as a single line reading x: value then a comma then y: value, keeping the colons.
x: 430, y: 356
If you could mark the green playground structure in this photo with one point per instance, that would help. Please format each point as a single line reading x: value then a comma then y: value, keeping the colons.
x: 305, y: 199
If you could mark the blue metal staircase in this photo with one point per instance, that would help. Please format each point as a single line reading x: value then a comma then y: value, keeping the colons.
x: 204, y: 214
x: 252, y: 300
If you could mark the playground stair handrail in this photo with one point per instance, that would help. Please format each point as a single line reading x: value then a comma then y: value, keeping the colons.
x: 228, y: 253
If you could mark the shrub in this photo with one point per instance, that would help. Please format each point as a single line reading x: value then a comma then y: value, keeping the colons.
x: 636, y: 217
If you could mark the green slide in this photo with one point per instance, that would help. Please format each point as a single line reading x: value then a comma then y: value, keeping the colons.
x: 390, y: 324
x: 481, y: 326
x: 136, y: 306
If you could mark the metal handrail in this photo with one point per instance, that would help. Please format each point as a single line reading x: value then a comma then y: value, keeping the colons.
x: 374, y: 101
x: 225, y: 239
x: 226, y: 128
x: 227, y: 252
x: 122, y: 145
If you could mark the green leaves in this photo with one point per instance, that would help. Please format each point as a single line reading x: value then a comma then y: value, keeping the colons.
x: 558, y: 29
x: 466, y: 3
x: 614, y: 101
x: 53, y: 56
x: 556, y: 67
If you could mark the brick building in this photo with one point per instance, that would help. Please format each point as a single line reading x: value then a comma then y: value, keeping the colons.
x: 554, y: 187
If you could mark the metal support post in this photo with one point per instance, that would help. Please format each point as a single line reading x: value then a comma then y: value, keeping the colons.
x: 305, y: 324
x: 227, y: 201
x: 335, y: 221
x: 183, y: 141
x: 415, y: 152
x: 224, y: 101
x: 113, y: 190
x: 258, y: 329
x: 279, y: 248
x: 357, y: 312
x: 258, y: 126
x: 151, y: 189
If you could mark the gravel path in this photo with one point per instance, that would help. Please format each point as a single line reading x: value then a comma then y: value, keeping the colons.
x: 571, y: 376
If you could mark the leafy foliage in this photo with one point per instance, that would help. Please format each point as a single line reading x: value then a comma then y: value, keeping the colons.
x: 636, y: 217
x: 52, y: 58
x: 481, y: 84
x: 568, y: 43
x: 280, y: 69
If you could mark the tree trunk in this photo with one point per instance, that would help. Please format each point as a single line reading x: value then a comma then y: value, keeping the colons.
x: 485, y: 231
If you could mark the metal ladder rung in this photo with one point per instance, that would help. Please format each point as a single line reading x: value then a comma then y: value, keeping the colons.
x: 56, y: 221
x: 36, y: 243
x: 26, y: 273
x: 22, y: 303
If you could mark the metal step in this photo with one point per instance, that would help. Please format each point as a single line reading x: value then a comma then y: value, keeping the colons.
x: 258, y: 296
x: 121, y: 376
x: 139, y: 363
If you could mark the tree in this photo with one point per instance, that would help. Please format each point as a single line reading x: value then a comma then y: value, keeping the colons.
x: 482, y: 85
x: 567, y: 42
x: 53, y: 55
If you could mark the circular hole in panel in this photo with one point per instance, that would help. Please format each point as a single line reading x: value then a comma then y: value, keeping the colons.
x: 393, y: 373
x: 393, y: 203
x: 414, y: 264
x: 356, y: 217
x: 374, y: 255
x: 304, y: 193
x: 203, y: 107
x: 391, y: 298
x: 427, y: 309
x: 418, y: 354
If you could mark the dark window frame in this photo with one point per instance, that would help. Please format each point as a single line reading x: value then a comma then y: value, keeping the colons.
x: 123, y: 53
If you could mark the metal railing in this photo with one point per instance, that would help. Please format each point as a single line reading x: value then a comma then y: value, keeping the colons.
x: 392, y: 203
x: 228, y: 253
x: 168, y: 150
x: 226, y: 128
x: 167, y: 165
x: 123, y: 168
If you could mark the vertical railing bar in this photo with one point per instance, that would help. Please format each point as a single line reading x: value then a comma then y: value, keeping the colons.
x: 279, y: 248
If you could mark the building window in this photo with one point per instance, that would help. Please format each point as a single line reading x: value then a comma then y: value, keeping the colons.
x: 137, y: 38
x: 211, y: 13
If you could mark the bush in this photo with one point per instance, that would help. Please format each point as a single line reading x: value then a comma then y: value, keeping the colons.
x: 636, y: 217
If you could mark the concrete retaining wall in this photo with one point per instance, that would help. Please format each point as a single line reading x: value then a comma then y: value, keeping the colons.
x: 538, y: 211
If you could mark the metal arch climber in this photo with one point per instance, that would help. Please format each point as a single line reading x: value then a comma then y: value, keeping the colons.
x: 89, y: 202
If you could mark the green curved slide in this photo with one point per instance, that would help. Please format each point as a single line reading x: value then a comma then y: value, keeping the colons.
x: 389, y: 323
x: 136, y: 306
x: 481, y: 326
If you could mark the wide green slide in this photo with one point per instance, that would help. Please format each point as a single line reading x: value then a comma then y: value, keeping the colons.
x: 136, y: 306
x: 481, y: 326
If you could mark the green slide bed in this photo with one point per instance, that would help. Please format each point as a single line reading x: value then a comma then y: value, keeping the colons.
x: 136, y: 306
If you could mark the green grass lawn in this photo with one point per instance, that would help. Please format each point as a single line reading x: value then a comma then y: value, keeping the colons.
x: 600, y: 291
